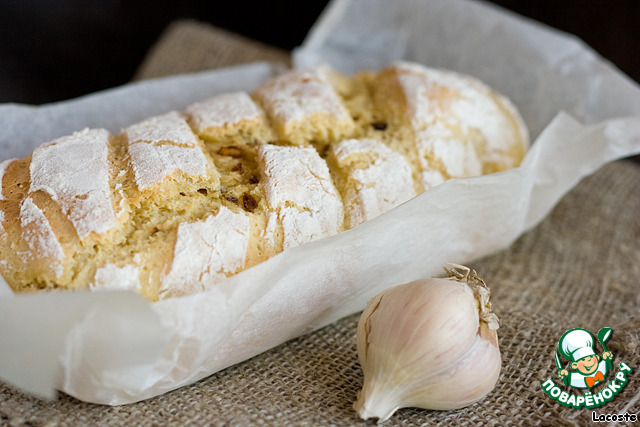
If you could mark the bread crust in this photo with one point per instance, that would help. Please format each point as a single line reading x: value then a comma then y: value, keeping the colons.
x: 178, y: 202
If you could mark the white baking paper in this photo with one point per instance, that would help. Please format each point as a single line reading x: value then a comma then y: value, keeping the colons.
x: 114, y: 348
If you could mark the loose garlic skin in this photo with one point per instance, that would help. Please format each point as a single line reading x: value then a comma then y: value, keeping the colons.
x: 427, y: 344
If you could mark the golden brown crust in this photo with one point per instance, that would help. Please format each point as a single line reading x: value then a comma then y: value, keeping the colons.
x: 195, y: 197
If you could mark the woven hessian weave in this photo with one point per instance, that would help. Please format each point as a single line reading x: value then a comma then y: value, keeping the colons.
x: 579, y: 268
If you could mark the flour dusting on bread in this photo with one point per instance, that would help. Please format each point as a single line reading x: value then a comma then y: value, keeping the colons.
x: 178, y: 202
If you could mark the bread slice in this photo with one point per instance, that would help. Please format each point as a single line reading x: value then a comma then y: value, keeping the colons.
x: 178, y: 202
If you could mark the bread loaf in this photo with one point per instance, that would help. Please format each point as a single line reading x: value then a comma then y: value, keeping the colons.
x: 176, y: 203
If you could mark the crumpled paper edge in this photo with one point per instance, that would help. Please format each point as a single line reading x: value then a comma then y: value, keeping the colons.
x: 460, y: 228
x: 35, y: 348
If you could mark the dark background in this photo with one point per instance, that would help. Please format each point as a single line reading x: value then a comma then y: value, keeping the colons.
x: 52, y: 50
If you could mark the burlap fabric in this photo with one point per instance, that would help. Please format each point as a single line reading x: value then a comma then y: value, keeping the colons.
x: 579, y: 268
x: 190, y: 46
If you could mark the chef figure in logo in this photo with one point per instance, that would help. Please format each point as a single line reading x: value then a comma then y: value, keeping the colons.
x: 588, y: 368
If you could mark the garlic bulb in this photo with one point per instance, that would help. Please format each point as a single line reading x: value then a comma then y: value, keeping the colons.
x: 429, y: 344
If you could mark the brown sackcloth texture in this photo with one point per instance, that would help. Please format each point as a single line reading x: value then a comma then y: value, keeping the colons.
x: 190, y: 46
x: 579, y: 268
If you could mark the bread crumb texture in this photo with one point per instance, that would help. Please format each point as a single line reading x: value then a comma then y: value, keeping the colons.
x: 176, y: 203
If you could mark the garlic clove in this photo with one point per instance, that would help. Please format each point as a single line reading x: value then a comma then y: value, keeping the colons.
x: 469, y: 380
x: 427, y: 344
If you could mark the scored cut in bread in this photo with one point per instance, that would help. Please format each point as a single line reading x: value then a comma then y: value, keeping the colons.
x: 178, y: 202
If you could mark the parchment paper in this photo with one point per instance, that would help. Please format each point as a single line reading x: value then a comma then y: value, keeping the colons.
x: 115, y: 348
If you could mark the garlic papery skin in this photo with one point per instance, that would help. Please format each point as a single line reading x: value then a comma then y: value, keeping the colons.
x: 430, y: 344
